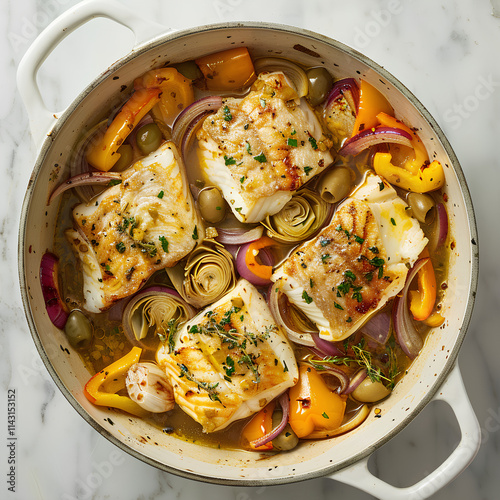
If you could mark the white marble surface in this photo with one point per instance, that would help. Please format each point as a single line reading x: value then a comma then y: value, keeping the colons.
x: 444, y: 51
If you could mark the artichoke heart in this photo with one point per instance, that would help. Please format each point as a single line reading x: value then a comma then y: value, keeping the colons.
x: 299, y: 219
x: 206, y: 276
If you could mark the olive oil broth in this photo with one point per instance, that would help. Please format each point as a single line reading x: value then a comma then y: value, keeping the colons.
x: 110, y: 342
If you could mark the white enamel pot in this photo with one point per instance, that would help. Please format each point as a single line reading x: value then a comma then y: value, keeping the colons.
x: 434, y: 374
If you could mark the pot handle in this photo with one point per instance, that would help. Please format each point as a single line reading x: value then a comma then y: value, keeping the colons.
x: 42, y: 119
x: 452, y: 392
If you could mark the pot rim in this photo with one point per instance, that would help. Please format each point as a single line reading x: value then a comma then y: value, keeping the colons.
x: 313, y: 36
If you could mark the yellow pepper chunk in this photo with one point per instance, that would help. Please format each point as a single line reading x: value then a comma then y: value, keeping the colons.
x: 102, y: 387
x: 260, y: 425
x: 417, y: 175
x: 313, y: 406
x: 103, y: 154
x: 422, y: 300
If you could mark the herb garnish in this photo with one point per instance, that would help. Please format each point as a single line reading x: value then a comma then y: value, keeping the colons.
x: 313, y: 142
x: 248, y: 148
x: 227, y: 114
x: 120, y: 247
x: 195, y: 233
x: 306, y: 297
x: 260, y: 158
x: 164, y: 243
x: 210, y: 388
x: 114, y: 182
x: 160, y: 194
x: 229, y: 160
x: 307, y: 170
x: 292, y: 143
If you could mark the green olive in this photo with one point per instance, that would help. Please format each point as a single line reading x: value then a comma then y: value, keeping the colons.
x: 370, y: 392
x: 287, y: 439
x: 148, y: 138
x: 189, y: 69
x: 335, y: 184
x: 79, y: 330
x: 320, y: 83
x: 126, y: 153
x: 422, y: 206
x: 211, y: 205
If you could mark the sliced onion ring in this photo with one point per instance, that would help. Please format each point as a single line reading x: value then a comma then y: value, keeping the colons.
x: 406, y: 334
x: 345, y: 87
x: 50, y: 290
x: 146, y: 296
x: 442, y: 224
x: 295, y: 74
x: 358, y: 377
x: 284, y: 402
x: 373, y: 136
x: 356, y: 421
x: 325, y: 347
x: 378, y: 327
x: 280, y: 311
x: 336, y: 372
x: 238, y: 236
x: 185, y: 124
x: 85, y: 179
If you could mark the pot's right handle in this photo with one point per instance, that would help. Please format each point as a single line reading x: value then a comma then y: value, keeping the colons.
x: 452, y: 392
x: 42, y: 119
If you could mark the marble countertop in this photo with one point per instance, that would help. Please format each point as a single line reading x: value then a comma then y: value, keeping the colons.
x: 445, y: 52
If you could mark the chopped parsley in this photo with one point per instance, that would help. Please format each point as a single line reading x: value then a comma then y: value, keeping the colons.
x: 324, y: 415
x: 229, y: 160
x: 306, y: 297
x: 338, y: 306
x: 313, y: 142
x: 242, y: 179
x: 325, y: 257
x: 164, y: 243
x: 227, y: 114
x: 260, y: 158
x: 349, y: 274
x: 229, y: 366
x: 120, y: 247
x: 245, y: 127
x: 307, y: 170
x: 238, y: 209
x: 114, y: 182
x: 195, y: 233
x: 311, y: 282
x: 248, y: 148
x: 393, y: 222
x: 373, y: 250
x: 149, y: 248
x: 294, y: 132
x: 381, y: 186
x: 359, y: 240
x: 160, y: 194
x: 325, y: 242
x: 292, y: 143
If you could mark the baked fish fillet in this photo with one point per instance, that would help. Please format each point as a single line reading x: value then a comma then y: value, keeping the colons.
x: 145, y: 223
x: 230, y: 360
x: 356, y: 264
x: 260, y: 149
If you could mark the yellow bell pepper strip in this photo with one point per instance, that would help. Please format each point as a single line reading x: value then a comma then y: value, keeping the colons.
x: 371, y: 103
x: 103, y: 154
x: 177, y: 91
x: 422, y: 300
x: 227, y: 70
x: 260, y: 425
x: 434, y: 320
x: 258, y: 269
x: 313, y: 406
x: 417, y: 174
x: 112, y: 378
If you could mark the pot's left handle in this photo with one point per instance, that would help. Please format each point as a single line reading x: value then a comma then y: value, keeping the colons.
x: 42, y: 119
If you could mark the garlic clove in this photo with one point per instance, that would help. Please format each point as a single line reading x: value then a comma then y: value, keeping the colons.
x: 150, y: 388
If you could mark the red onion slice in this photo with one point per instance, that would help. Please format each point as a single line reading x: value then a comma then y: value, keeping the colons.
x: 245, y: 272
x: 238, y: 236
x: 358, y: 377
x: 442, y: 224
x: 325, y: 347
x: 373, y: 136
x: 184, y: 125
x: 378, y: 327
x: 408, y: 337
x: 85, y: 179
x: 284, y: 402
x: 50, y: 290
x: 347, y: 85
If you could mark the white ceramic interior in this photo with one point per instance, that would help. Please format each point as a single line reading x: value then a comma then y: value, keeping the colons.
x: 310, y: 459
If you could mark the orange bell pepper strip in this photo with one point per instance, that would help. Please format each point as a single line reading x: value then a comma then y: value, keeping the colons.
x: 371, y: 103
x: 417, y: 175
x: 177, y: 91
x: 100, y: 389
x: 103, y: 153
x: 422, y: 300
x: 260, y: 270
x: 260, y: 425
x: 227, y: 70
x: 313, y: 406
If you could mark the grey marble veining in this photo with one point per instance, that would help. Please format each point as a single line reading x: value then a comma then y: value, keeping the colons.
x: 446, y: 52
